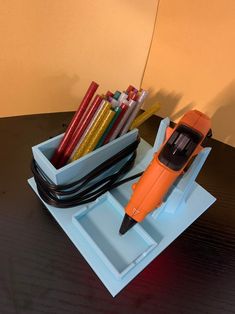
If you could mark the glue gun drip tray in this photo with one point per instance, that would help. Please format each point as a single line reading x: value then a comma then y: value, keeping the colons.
x: 99, y: 225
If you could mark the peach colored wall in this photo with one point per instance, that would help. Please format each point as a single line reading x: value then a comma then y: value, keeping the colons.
x: 192, y: 61
x: 52, y: 50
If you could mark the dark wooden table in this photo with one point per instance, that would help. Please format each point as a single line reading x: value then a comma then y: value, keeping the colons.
x: 42, y: 272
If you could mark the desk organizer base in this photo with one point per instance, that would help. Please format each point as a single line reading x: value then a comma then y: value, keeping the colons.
x: 94, y: 229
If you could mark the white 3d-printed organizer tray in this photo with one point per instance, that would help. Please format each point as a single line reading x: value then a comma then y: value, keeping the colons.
x: 94, y: 229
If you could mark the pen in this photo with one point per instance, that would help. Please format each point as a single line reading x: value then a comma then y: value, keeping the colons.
x: 74, y: 122
x: 133, y: 95
x: 89, y: 113
x: 116, y: 95
x: 117, y: 112
x: 144, y: 116
x: 131, y: 106
x: 123, y: 108
x: 97, y: 113
x: 129, y: 88
x: 122, y: 97
x: 99, y: 132
x: 92, y: 131
x: 108, y: 94
x: 134, y: 113
x: 113, y: 101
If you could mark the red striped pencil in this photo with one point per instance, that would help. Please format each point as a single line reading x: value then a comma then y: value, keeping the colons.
x: 80, y: 130
x: 74, y: 123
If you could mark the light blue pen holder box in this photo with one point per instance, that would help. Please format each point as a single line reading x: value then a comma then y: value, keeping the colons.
x: 79, y: 168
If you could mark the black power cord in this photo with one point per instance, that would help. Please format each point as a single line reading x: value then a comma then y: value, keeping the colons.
x: 92, y: 185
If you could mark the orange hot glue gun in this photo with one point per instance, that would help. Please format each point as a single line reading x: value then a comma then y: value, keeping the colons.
x: 181, y: 144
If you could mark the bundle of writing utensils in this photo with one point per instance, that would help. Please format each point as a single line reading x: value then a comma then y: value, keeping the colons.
x: 98, y: 122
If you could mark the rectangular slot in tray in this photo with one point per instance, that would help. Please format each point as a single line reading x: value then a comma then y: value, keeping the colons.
x: 82, y: 166
x: 99, y: 224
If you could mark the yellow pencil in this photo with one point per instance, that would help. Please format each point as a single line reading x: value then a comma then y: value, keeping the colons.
x: 98, y: 133
x: 95, y: 126
x: 144, y: 116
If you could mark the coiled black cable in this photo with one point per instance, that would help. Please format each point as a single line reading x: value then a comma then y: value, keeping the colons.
x: 88, y: 188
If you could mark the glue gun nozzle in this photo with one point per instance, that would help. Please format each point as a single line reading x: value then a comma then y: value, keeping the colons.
x: 127, y: 224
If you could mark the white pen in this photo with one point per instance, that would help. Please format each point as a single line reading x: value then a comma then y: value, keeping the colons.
x: 122, y: 98
x: 134, y: 113
x: 131, y: 106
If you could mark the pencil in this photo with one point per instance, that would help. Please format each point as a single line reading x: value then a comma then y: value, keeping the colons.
x: 144, y: 116
x: 74, y: 123
x: 93, y: 129
x: 89, y: 113
x: 87, y: 129
x: 134, y: 113
x: 99, y: 132
x: 123, y: 108
x: 117, y: 112
x: 131, y: 107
